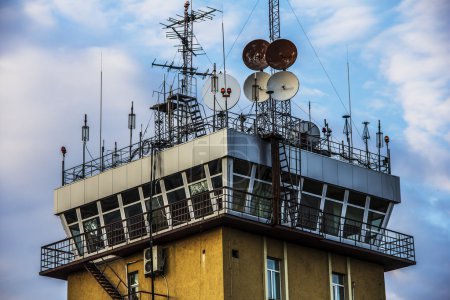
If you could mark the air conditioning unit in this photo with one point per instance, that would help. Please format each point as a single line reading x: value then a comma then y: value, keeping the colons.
x: 153, y: 256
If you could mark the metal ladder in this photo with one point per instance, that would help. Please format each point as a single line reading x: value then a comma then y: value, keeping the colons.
x: 100, y: 277
x: 289, y: 205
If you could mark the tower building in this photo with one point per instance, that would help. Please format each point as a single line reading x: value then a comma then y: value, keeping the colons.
x: 229, y: 206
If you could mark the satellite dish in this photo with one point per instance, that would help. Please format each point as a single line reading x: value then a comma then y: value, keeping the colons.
x: 309, y: 133
x: 284, y: 85
x: 281, y: 54
x: 255, y: 87
x: 254, y: 55
x: 226, y: 97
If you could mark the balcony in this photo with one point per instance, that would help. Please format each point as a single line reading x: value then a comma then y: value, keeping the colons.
x: 298, y: 224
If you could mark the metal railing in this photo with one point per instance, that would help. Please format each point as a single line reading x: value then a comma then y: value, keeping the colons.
x: 246, y: 124
x: 231, y: 202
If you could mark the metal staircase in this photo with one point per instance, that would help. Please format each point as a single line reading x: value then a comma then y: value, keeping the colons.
x: 100, y: 277
x: 198, y: 124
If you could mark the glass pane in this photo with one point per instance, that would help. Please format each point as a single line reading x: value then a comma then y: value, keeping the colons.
x: 89, y: 210
x: 109, y: 203
x: 198, y: 188
x: 332, y: 217
x: 173, y: 181
x: 375, y: 219
x: 71, y: 216
x: 176, y: 195
x: 159, y: 220
x: 156, y: 189
x: 217, y: 182
x: 313, y: 187
x: 215, y: 167
x: 242, y: 167
x: 357, y: 199
x: 264, y: 173
x: 309, y: 212
x: 240, y: 185
x: 277, y: 287
x: 130, y: 196
x: 135, y: 221
x: 378, y: 204
x: 93, y: 234
x: 338, y: 278
x: 75, y: 231
x: 114, y: 228
x: 335, y: 192
x: 353, y: 223
x: 270, y: 264
x: 196, y: 173
x: 260, y: 204
x: 270, y: 284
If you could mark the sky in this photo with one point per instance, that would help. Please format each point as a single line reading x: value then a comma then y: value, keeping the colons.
x: 51, y: 53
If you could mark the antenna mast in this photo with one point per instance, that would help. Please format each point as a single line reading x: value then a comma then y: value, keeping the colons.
x: 101, y: 109
x: 350, y: 106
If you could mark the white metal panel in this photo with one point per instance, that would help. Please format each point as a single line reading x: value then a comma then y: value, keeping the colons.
x: 91, y: 189
x: 134, y: 172
x: 169, y: 161
x: 390, y: 185
x: 330, y: 170
x: 315, y: 166
x: 77, y: 193
x: 119, y: 179
x: 360, y: 179
x: 62, y: 199
x: 218, y: 144
x: 374, y: 183
x: 105, y: 183
x: 345, y: 175
x: 145, y: 169
x: 201, y: 151
x: 185, y: 157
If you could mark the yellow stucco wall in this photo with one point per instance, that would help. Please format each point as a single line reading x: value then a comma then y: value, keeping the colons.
x: 202, y: 267
x: 193, y: 271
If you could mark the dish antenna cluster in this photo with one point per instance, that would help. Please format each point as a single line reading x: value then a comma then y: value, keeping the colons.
x: 279, y: 55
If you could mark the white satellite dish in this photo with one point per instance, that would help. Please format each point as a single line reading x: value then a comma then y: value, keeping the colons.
x: 255, y: 87
x: 284, y: 85
x: 309, y: 133
x: 227, y: 94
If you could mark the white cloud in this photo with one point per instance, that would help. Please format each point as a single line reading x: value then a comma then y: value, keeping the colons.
x: 414, y: 58
x: 40, y: 12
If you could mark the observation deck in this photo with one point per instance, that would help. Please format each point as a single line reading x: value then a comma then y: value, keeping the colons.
x: 300, y: 224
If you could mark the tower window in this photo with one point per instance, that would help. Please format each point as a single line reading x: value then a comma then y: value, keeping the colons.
x: 338, y: 286
x: 133, y: 286
x: 273, y: 279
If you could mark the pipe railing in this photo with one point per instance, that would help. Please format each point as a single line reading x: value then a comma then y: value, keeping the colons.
x: 206, y: 205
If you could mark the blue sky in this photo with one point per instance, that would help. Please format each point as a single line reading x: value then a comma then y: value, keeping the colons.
x: 399, y: 53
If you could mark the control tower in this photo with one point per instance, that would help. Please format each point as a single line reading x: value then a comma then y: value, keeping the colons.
x: 229, y: 206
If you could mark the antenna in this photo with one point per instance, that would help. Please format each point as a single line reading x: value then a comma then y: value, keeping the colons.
x: 229, y: 95
x: 255, y: 87
x: 347, y: 134
x: 131, y: 125
x: 101, y: 108
x: 379, y: 144
x: 281, y: 54
x: 254, y: 55
x: 84, y: 139
x: 349, y: 103
x: 366, y: 138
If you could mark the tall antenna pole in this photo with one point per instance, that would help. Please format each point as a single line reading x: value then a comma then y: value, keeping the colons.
x: 350, y: 105
x: 224, y: 71
x: 101, y: 109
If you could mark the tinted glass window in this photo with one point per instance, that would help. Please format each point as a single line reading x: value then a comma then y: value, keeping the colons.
x: 109, y: 203
x: 263, y: 173
x: 176, y: 195
x: 195, y: 173
x: 173, y: 181
x: 156, y: 189
x: 215, y: 166
x: 130, y: 196
x: 313, y: 187
x: 378, y: 204
x: 133, y: 210
x: 71, y: 216
x: 242, y: 167
x: 89, y: 210
x: 357, y: 199
x: 335, y: 192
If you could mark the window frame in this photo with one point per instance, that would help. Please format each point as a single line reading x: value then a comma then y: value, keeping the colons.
x: 272, y: 281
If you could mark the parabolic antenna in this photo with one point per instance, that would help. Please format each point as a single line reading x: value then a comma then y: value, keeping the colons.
x: 309, y: 133
x: 255, y: 87
x: 284, y: 85
x: 281, y: 54
x: 227, y: 95
x: 254, y: 55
